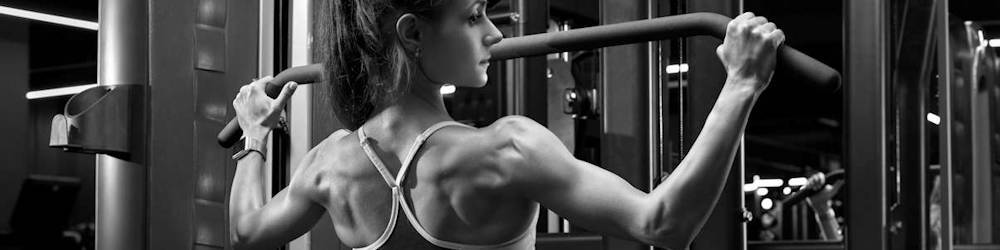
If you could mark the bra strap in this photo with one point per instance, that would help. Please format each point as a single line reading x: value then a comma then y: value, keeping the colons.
x: 379, y: 165
x: 417, y: 143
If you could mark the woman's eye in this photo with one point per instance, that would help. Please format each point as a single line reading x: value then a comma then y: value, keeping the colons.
x: 475, y: 18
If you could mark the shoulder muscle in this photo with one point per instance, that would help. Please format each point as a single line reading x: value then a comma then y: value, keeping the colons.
x: 313, y: 161
x: 527, y: 150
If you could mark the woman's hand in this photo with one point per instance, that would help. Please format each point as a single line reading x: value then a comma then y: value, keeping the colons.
x: 748, y: 51
x: 825, y: 192
x: 256, y: 112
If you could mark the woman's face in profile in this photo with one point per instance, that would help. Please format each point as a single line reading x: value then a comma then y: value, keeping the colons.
x: 455, y: 46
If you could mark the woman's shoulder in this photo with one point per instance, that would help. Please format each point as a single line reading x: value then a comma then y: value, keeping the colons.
x: 521, y: 132
x: 516, y: 124
x: 499, y: 143
x: 491, y: 156
x: 323, y: 163
x: 500, y: 131
x: 339, y: 148
x: 498, y: 134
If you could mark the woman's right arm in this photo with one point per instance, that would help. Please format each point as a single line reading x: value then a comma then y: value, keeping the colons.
x: 673, y: 213
x: 253, y: 222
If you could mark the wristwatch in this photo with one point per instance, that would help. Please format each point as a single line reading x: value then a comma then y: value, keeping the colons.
x: 250, y: 145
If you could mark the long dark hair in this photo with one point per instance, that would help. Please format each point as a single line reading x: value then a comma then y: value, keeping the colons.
x: 366, y: 65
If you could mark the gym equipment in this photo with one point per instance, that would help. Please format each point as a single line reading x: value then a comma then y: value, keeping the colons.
x: 99, y: 120
x: 802, y: 193
x: 789, y: 61
x: 799, y: 65
x: 302, y: 74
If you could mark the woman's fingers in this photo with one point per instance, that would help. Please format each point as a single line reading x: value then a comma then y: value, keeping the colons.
x: 752, y: 24
x: 286, y: 93
x: 816, y: 181
x: 241, y: 96
x: 733, y: 24
x: 777, y: 36
x: 744, y: 16
x: 261, y: 83
x: 765, y: 29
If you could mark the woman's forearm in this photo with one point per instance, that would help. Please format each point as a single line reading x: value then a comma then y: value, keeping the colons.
x: 247, y: 193
x: 688, y: 196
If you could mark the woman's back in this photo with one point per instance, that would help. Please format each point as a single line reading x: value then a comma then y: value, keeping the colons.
x: 452, y: 187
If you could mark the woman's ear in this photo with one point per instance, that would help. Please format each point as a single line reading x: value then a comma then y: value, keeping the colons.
x: 408, y: 32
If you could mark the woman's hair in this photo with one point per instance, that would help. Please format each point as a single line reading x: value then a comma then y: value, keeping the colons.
x: 366, y: 65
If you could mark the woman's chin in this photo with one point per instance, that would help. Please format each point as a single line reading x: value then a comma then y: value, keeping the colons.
x: 471, y: 84
x: 478, y: 83
x: 472, y: 81
x: 481, y: 83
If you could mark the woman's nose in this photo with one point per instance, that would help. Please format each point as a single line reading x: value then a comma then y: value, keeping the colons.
x: 494, y: 36
x: 492, y: 39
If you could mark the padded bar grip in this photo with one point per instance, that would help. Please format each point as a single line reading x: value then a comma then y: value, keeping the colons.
x: 302, y: 74
x: 790, y: 61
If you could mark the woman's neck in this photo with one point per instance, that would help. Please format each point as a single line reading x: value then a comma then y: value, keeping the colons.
x: 421, y: 107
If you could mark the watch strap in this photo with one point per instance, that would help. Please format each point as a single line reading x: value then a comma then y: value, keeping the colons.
x: 251, y: 145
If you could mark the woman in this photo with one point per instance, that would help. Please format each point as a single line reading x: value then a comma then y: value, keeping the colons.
x: 407, y: 176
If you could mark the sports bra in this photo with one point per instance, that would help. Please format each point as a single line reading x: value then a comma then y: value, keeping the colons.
x: 525, y: 240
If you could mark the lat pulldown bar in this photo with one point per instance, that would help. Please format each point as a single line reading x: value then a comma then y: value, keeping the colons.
x: 790, y: 61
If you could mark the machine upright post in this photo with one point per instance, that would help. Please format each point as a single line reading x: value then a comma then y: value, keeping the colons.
x: 865, y: 119
x: 946, y: 235
x: 624, y: 86
x: 121, y: 183
x: 724, y: 228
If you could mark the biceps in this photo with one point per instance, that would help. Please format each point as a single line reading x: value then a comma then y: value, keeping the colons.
x: 591, y: 197
x: 285, y: 217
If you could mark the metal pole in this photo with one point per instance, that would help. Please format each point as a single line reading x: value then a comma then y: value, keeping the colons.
x: 865, y: 132
x: 945, y: 237
x: 121, y: 183
x: 724, y: 227
x: 624, y: 138
x: 653, y: 108
x: 653, y: 103
x: 911, y: 81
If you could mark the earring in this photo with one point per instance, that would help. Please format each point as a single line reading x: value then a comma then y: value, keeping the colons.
x: 417, y: 53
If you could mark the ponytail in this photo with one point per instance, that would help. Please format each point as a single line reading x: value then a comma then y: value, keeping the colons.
x: 366, y: 66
